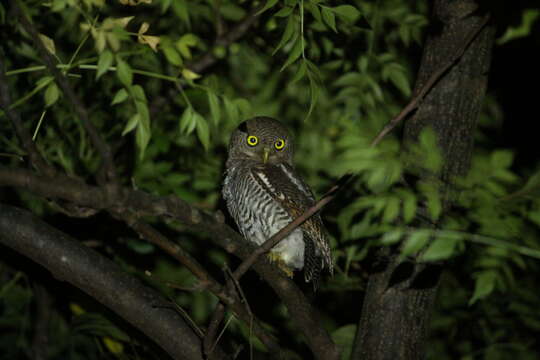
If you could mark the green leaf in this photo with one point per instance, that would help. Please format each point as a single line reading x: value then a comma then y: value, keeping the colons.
x: 203, y: 132
x: 429, y: 150
x: 184, y: 43
x: 104, y: 63
x: 244, y: 107
x: 502, y: 159
x: 314, y: 90
x: 391, y: 210
x: 143, y: 135
x: 232, y: 110
x: 531, y: 189
x: 300, y: 73
x: 350, y: 79
x: 120, y: 96
x: 415, y: 242
x: 440, y: 249
x: 485, y: 284
x: 98, y: 325
x: 187, y: 121
x: 409, y: 206
x: 392, y: 237
x: 48, y: 43
x: 132, y: 123
x: 181, y: 10
x: 329, y: 18
x: 528, y: 19
x: 140, y: 247
x: 398, y: 77
x: 314, y: 10
x: 285, y: 11
x: 344, y: 339
x: 433, y: 200
x: 231, y: 11
x: 269, y: 4
x: 295, y: 53
x: 52, y: 93
x: 172, y: 55
x: 44, y: 81
x: 137, y: 92
x: 215, y: 111
x: 287, y: 34
x: 347, y: 12
x: 434, y: 204
x: 124, y: 72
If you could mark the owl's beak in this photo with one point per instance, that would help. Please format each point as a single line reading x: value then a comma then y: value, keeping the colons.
x: 265, y: 155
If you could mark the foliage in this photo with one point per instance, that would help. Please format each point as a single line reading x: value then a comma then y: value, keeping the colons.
x: 335, y: 73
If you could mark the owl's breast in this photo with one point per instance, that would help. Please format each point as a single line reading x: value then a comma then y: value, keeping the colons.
x: 259, y: 215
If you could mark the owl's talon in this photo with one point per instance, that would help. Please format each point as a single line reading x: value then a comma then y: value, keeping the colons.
x: 276, y: 259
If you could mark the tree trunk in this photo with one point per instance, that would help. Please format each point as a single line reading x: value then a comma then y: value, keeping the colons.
x: 400, y: 295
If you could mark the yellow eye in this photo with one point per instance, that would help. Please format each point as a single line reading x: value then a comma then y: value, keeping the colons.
x: 252, y: 140
x: 279, y: 144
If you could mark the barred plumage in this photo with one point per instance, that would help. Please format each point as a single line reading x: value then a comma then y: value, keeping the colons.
x: 263, y: 194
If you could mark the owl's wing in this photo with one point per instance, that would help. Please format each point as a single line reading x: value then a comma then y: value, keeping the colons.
x: 288, y: 189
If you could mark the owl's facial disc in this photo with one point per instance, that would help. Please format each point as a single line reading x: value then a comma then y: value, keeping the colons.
x: 262, y: 140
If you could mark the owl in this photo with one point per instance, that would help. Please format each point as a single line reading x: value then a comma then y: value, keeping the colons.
x: 264, y: 193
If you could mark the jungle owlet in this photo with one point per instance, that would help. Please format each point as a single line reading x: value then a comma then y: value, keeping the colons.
x: 264, y: 193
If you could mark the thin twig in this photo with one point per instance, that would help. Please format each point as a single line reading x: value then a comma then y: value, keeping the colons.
x: 210, y: 339
x: 175, y: 250
x: 222, y: 331
x: 248, y: 308
x: 217, y: 317
x: 415, y: 102
x: 238, y: 288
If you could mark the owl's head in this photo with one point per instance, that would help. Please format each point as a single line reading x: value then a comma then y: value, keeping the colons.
x: 263, y: 140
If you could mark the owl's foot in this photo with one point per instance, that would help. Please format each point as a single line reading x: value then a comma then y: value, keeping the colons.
x: 278, y: 261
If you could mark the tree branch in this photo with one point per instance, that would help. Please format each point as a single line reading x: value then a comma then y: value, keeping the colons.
x: 207, y: 282
x: 144, y: 204
x: 101, y: 278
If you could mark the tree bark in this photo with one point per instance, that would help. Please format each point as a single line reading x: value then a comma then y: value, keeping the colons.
x: 400, y: 295
x: 102, y: 279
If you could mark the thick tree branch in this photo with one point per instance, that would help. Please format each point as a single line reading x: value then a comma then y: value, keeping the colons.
x: 143, y: 204
x: 102, y: 279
